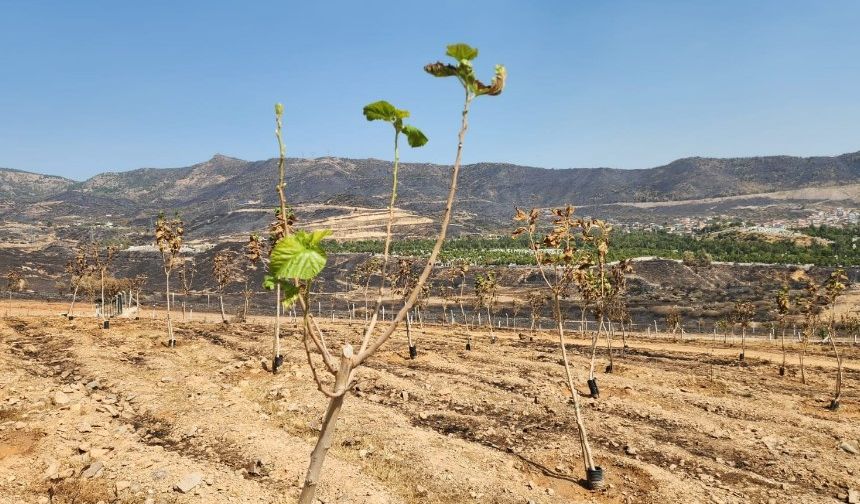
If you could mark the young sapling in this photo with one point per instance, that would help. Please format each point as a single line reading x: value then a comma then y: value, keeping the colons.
x: 559, y: 263
x: 224, y: 273
x: 743, y: 314
x: 168, y: 238
x: 386, y: 112
x: 298, y: 258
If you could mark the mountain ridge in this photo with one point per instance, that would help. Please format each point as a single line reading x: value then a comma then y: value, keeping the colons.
x: 487, y: 194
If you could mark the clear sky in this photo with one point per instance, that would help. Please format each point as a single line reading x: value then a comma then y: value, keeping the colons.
x: 89, y: 86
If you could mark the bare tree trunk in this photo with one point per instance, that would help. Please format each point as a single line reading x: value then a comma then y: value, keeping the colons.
x: 328, y: 427
x: 803, y: 355
x: 713, y: 351
x: 276, y: 341
x: 594, y: 339
x: 170, y: 339
x: 102, y: 278
x: 463, y: 312
x: 834, y: 404
x: 623, y: 339
x: 743, y: 342
x: 221, y: 302
x: 490, y: 321
x: 74, y: 297
x: 783, y: 348
x: 409, y: 330
x: 580, y: 425
x: 609, y: 346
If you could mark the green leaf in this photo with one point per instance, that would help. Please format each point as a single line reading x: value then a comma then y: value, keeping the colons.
x: 384, y: 111
x: 279, y: 109
x: 414, y: 136
x: 269, y: 282
x: 299, y: 255
x: 462, y: 52
x: 290, y: 293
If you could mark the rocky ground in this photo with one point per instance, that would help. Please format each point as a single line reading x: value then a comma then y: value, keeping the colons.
x: 90, y: 415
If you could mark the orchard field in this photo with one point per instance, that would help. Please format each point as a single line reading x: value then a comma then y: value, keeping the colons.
x: 92, y: 415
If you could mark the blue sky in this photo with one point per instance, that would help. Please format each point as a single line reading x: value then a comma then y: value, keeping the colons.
x: 90, y: 86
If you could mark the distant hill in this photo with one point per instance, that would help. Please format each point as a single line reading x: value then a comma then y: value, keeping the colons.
x: 20, y: 186
x: 488, y: 191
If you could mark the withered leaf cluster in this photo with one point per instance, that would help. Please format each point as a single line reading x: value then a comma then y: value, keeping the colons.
x: 168, y: 238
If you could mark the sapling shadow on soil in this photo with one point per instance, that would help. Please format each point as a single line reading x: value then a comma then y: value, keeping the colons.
x: 560, y: 262
x: 299, y: 257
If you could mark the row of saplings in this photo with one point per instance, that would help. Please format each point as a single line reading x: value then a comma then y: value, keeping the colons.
x: 814, y: 307
x: 570, y: 253
x: 89, y: 273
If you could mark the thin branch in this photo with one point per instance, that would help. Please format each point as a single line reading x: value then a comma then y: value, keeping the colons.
x: 437, y: 248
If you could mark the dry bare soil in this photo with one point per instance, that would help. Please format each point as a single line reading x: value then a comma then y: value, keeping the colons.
x: 90, y: 415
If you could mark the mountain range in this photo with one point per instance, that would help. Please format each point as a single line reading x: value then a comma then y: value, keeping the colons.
x: 213, y: 195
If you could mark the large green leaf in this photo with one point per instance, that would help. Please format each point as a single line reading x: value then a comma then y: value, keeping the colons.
x: 414, y: 136
x: 383, y: 111
x: 462, y: 52
x: 299, y: 255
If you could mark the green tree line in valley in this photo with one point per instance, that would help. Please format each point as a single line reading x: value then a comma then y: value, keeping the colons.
x: 844, y: 249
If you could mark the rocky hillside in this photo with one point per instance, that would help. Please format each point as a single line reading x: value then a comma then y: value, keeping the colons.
x: 488, y: 191
x: 19, y: 186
